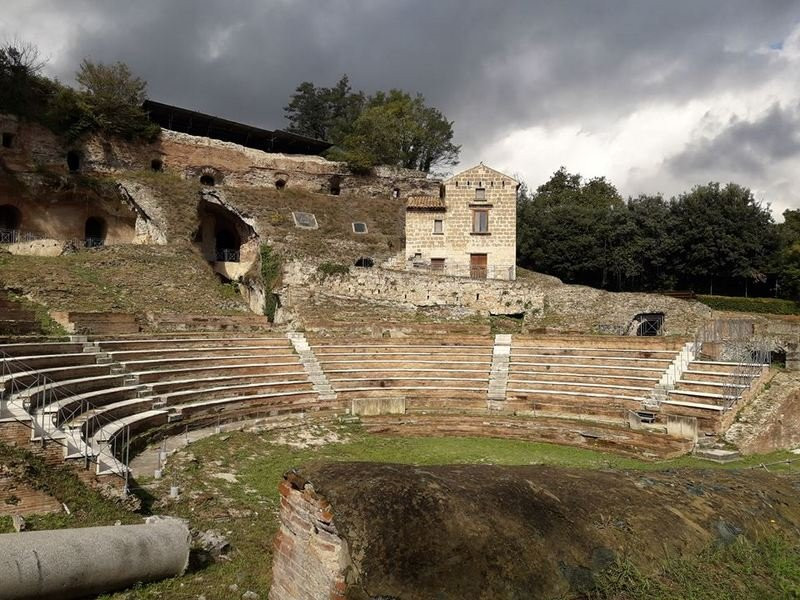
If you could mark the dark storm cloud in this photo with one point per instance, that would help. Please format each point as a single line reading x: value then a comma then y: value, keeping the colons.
x: 748, y: 148
x: 492, y: 67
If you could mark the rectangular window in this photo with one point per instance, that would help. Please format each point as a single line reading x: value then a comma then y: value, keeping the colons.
x: 480, y: 194
x: 8, y: 139
x: 438, y: 227
x: 480, y: 221
x: 437, y: 264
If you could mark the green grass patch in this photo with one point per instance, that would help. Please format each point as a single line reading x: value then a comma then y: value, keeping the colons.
x: 88, y: 507
x: 742, y: 570
x: 774, y: 306
x: 246, y: 510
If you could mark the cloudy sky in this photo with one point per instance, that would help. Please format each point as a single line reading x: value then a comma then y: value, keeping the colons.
x: 655, y: 95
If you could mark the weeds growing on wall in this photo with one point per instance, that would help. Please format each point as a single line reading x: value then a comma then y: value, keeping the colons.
x: 271, y: 275
x: 327, y: 269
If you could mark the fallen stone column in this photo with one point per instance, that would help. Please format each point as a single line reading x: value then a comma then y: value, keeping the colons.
x: 73, y: 563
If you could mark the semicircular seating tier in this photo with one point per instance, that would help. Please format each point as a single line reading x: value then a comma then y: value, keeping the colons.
x: 100, y: 397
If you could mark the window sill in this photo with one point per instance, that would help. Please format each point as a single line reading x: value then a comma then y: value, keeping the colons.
x: 480, y: 233
x: 479, y: 204
x: 439, y: 233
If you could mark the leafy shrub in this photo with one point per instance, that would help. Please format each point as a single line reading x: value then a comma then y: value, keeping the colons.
x: 327, y: 269
x: 774, y: 306
x: 270, y: 275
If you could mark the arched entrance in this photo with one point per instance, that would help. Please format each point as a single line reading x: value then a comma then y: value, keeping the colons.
x: 226, y: 242
x: 10, y: 219
x: 94, y: 232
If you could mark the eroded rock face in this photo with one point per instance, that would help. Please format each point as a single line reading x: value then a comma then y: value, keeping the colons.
x: 364, y: 530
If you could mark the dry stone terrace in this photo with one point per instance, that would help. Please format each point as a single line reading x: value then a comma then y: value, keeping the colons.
x: 94, y: 399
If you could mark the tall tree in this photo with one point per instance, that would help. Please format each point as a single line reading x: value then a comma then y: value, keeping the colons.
x: 787, y: 259
x: 324, y: 113
x: 567, y: 228
x: 114, y: 96
x: 724, y: 235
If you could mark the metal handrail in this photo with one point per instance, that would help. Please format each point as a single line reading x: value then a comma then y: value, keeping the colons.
x: 505, y: 272
x: 50, y: 394
x: 15, y: 236
x: 227, y: 255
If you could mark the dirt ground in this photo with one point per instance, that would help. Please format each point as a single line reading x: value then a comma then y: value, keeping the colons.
x: 485, y: 531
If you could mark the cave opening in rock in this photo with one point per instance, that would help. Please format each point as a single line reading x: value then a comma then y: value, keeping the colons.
x: 94, y: 232
x: 73, y: 161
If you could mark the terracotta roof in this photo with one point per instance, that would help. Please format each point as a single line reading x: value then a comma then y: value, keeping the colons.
x: 426, y: 202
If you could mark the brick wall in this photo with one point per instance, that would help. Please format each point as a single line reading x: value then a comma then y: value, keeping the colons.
x: 310, y: 560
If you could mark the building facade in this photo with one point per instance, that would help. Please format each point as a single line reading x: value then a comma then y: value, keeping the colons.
x: 469, y: 230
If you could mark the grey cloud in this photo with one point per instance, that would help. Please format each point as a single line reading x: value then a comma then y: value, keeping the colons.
x: 492, y: 67
x: 747, y: 148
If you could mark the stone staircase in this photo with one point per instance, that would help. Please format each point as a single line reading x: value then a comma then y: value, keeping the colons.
x: 311, y: 366
x: 498, y: 376
x: 16, y: 320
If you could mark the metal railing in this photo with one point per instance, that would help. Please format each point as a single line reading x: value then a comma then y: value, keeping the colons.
x: 227, y: 255
x: 751, y: 359
x: 464, y: 270
x: 15, y: 236
x: 740, y: 345
x: 42, y: 392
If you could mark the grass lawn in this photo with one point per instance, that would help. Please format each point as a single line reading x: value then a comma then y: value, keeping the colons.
x: 229, y: 483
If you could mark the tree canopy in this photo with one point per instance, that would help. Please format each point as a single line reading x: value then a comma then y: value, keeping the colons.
x: 109, y: 98
x: 387, y: 128
x: 713, y: 238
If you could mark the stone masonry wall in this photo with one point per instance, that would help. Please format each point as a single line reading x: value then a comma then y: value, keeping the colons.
x: 418, y: 289
x: 458, y: 241
x: 310, y: 559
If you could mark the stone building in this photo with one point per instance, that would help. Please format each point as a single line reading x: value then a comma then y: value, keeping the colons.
x: 469, y: 230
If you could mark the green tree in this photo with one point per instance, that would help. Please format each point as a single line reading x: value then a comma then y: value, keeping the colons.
x: 399, y: 130
x: 787, y: 259
x: 114, y: 97
x: 324, y: 113
x: 569, y: 228
x: 23, y: 90
x: 725, y: 237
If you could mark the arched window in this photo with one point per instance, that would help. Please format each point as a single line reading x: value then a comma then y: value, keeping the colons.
x: 207, y: 180
x: 94, y: 232
x: 280, y: 184
x: 365, y: 262
x: 73, y: 161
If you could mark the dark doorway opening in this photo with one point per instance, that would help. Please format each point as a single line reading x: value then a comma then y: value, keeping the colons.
x: 649, y: 324
x: 10, y: 217
x: 778, y: 357
x: 365, y: 262
x: 227, y: 243
x: 207, y: 180
x: 94, y: 232
x: 157, y: 165
x: 8, y: 139
x: 280, y: 184
x: 335, y: 185
x: 73, y: 161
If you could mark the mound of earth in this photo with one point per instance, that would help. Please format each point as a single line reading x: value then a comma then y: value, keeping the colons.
x: 364, y: 530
